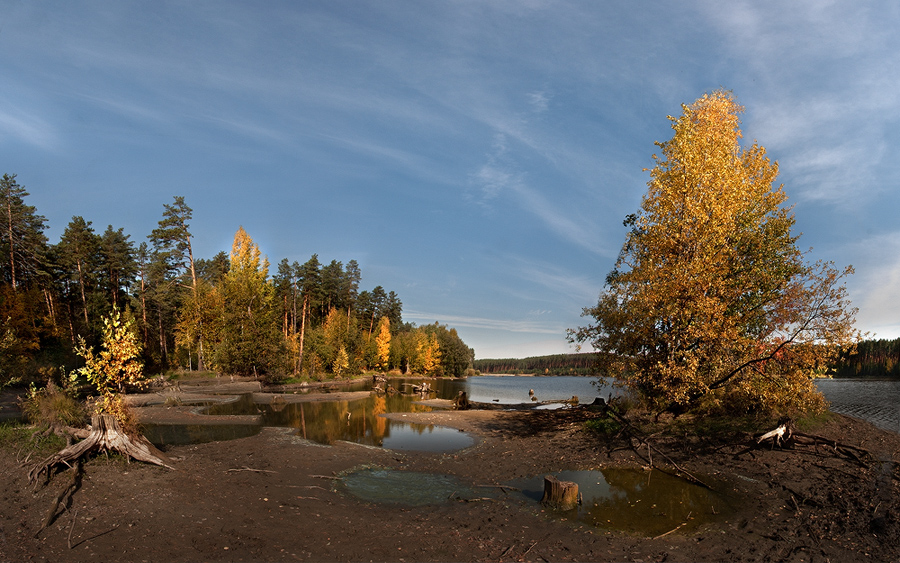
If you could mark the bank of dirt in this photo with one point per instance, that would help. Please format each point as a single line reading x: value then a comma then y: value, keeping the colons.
x: 273, y: 497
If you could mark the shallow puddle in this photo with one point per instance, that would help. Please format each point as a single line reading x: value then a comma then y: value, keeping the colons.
x: 359, y: 421
x: 647, y: 503
x: 407, y: 488
x: 162, y: 435
x: 328, y: 421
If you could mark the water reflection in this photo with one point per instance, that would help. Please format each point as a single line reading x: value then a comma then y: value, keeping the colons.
x: 328, y: 420
x: 353, y: 421
x: 637, y: 501
x: 162, y: 435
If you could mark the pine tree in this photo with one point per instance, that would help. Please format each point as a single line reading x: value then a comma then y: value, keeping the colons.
x: 21, y: 233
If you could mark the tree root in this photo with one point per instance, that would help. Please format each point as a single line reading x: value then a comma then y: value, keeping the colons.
x: 105, y: 434
x: 64, y: 497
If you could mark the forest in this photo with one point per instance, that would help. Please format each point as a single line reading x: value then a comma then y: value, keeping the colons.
x: 873, y: 358
x: 225, y: 313
x: 555, y: 364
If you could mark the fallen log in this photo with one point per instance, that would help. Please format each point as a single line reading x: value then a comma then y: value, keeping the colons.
x: 105, y: 435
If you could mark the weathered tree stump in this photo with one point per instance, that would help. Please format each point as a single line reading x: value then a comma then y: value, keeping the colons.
x: 562, y: 495
x: 105, y: 434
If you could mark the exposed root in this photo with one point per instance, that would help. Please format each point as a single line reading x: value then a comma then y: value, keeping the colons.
x: 105, y: 435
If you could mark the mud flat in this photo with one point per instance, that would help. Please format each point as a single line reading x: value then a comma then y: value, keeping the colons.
x: 277, y: 497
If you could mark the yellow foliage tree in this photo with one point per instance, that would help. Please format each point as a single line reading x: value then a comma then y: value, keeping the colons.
x: 710, y: 302
x: 248, y: 339
x: 116, y: 366
x: 383, y: 343
x: 341, y: 362
x: 428, y: 352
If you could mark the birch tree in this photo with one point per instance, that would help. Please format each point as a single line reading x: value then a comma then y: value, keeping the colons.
x: 711, y: 303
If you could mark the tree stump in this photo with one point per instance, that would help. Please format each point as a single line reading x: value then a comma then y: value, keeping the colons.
x: 105, y: 434
x: 562, y: 495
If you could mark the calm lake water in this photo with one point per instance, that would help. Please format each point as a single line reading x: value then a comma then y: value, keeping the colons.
x: 876, y: 401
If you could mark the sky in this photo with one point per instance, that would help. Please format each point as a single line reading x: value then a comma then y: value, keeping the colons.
x: 475, y: 157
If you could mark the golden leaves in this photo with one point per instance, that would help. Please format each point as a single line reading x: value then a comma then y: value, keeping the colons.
x: 710, y: 296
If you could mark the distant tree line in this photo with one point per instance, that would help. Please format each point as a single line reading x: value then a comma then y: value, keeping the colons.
x: 873, y: 358
x: 225, y: 313
x: 557, y: 364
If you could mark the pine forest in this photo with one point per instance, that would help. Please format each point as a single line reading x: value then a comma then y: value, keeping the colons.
x: 232, y: 313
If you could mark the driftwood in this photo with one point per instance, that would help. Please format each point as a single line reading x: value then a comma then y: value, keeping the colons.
x: 780, y: 435
x: 105, y: 434
x: 562, y: 495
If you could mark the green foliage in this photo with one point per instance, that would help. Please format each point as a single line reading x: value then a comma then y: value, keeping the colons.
x: 603, y: 426
x: 248, y: 341
x: 554, y: 364
x: 872, y: 358
x: 225, y: 313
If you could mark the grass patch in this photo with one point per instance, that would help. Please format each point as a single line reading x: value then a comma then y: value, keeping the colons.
x: 18, y: 437
x: 813, y: 421
x: 181, y: 374
x: 602, y: 426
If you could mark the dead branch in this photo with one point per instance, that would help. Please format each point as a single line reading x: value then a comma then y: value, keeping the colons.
x: 63, y: 497
x: 245, y: 468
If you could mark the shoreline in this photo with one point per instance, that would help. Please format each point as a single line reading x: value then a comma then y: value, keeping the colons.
x: 276, y: 497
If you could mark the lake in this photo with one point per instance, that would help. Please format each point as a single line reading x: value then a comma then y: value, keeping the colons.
x: 876, y: 401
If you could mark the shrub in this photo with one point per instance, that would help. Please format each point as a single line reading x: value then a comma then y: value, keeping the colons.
x: 52, y: 407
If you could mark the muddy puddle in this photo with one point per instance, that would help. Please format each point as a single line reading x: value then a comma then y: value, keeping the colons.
x: 406, y: 488
x: 646, y: 503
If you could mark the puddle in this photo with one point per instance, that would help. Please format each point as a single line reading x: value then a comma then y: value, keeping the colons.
x: 425, y: 438
x: 338, y: 418
x: 408, y: 488
x: 647, y: 503
x: 161, y: 435
x: 327, y: 422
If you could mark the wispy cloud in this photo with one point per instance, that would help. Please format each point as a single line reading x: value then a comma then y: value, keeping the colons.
x: 501, y: 174
x: 828, y: 129
x: 20, y: 126
x: 875, y: 289
x: 507, y: 325
x: 539, y: 101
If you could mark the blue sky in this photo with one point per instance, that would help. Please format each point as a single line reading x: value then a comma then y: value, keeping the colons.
x: 475, y: 157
